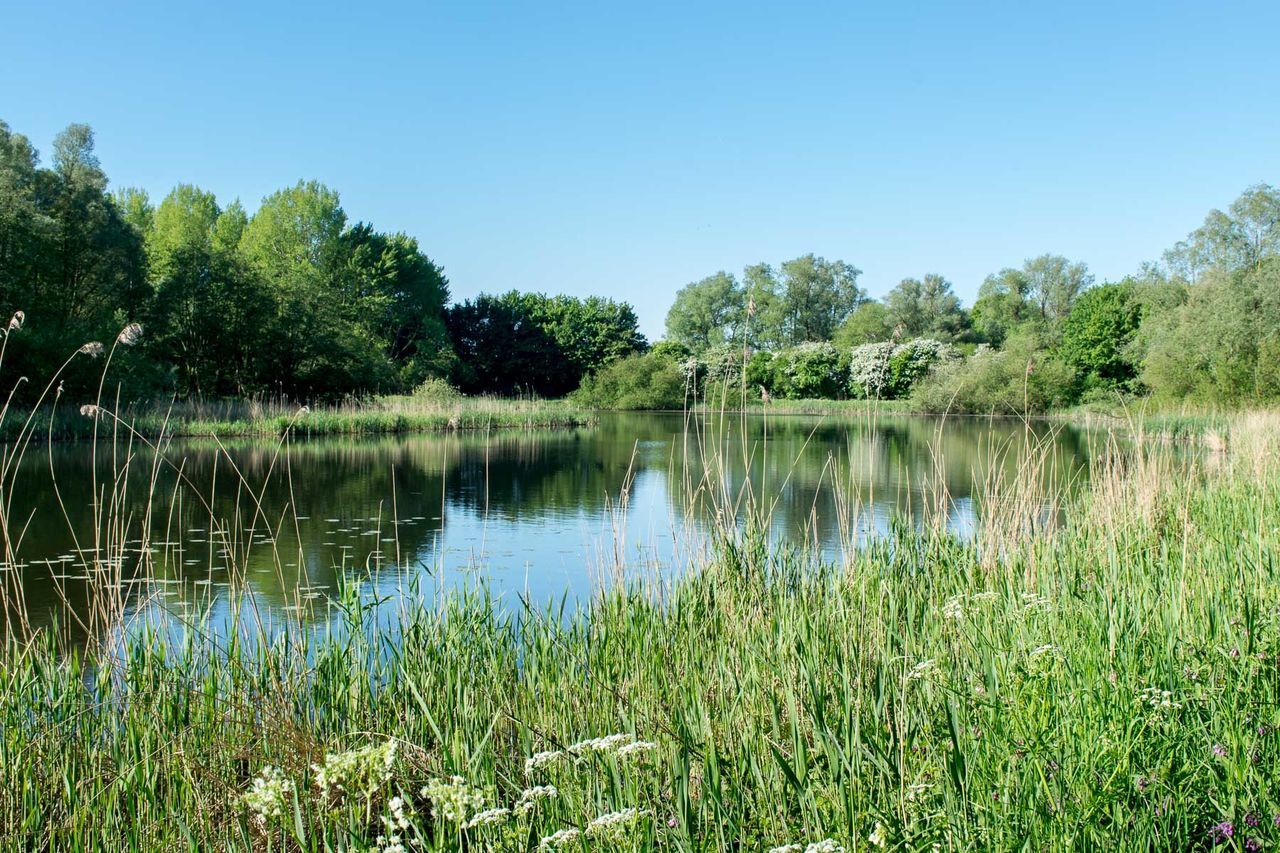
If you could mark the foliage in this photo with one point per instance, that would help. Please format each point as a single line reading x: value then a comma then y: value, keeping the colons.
x: 292, y: 300
x: 1022, y: 378
x: 917, y: 308
x: 807, y: 371
x: 642, y: 381
x: 1097, y: 334
x: 706, y: 313
x: 535, y: 344
x: 869, y: 324
x: 1223, y: 343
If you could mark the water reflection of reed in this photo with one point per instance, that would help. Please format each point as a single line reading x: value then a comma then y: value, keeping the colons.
x: 183, y: 527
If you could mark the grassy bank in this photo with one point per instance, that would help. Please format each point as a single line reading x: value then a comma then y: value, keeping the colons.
x: 1111, y: 683
x: 228, y: 419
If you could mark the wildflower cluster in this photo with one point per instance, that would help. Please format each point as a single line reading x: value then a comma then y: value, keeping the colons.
x: 398, y: 821
x: 1160, y: 700
x: 359, y: 771
x: 530, y: 798
x: 454, y: 799
x: 559, y: 839
x: 267, y: 794
x: 615, y: 826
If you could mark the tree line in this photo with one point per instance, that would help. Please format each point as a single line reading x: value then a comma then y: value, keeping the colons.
x: 1201, y: 324
x: 292, y: 300
x: 297, y: 300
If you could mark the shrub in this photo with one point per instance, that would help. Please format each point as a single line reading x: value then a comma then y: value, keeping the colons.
x: 808, y: 371
x: 869, y: 370
x: 649, y: 381
x: 436, y: 390
x: 1022, y: 378
x: 913, y: 361
x: 888, y: 371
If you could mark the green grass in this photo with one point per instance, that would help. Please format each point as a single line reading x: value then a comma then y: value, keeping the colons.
x: 1110, y: 684
x: 381, y: 416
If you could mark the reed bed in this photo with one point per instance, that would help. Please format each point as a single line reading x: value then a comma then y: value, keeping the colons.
x: 275, y: 418
x: 1109, y: 681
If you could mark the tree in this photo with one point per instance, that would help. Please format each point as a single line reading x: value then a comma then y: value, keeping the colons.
x: 1097, y: 334
x: 1053, y: 283
x: 817, y: 295
x: 707, y: 312
x: 206, y: 305
x: 68, y: 257
x: 1002, y: 305
x: 872, y: 322
x: 532, y: 343
x: 1242, y: 237
x: 925, y: 307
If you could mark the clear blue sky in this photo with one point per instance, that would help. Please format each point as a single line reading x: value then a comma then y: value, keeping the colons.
x: 595, y: 148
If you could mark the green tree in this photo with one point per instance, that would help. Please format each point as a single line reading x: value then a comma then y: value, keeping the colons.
x: 707, y: 312
x: 818, y: 296
x: 1053, y: 283
x: 1243, y: 236
x: 925, y: 307
x: 1002, y: 305
x: 869, y: 324
x: 1097, y: 334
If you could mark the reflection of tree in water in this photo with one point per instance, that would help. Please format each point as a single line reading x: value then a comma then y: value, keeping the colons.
x: 835, y: 470
x: 295, y: 520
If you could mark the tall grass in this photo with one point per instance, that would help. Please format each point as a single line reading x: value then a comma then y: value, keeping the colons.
x: 1110, y: 681
x: 271, y: 418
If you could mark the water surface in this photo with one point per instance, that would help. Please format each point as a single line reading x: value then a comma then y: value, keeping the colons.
x: 546, y: 514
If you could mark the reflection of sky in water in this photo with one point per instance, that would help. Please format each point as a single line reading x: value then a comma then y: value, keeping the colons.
x: 543, y: 515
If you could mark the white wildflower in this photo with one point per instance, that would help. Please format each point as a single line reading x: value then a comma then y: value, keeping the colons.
x: 787, y: 848
x: 558, y: 839
x: 608, y: 743
x: 530, y: 797
x: 615, y: 826
x: 826, y: 845
x: 89, y: 410
x: 877, y: 836
x: 16, y: 321
x: 454, y: 798
x: 488, y: 817
x: 986, y: 595
x: 1044, y: 650
x: 93, y: 349
x: 357, y: 771
x: 914, y: 791
x: 1160, y: 700
x: 541, y: 760
x: 268, y: 793
x: 953, y: 608
x: 1032, y: 602
x: 923, y: 669
x: 638, y: 747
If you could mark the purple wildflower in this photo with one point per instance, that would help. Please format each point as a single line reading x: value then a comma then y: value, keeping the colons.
x: 1219, y: 750
x: 1251, y: 819
x: 1252, y: 845
x: 1222, y: 832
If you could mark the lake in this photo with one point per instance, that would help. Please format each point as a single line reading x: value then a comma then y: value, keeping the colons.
x: 548, y: 514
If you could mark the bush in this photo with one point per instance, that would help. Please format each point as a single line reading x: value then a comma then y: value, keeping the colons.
x: 809, y: 371
x: 436, y: 390
x: 888, y: 371
x: 1021, y: 379
x: 650, y: 381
